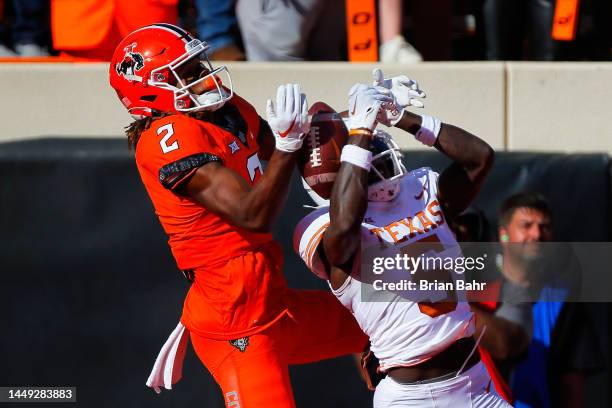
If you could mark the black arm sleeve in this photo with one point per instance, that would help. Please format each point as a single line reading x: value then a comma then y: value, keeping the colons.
x: 172, y: 175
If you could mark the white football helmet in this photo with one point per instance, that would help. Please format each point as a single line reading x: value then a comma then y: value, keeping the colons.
x: 387, y: 168
x: 385, y: 174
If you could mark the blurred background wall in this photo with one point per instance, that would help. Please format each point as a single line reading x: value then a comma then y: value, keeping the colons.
x: 513, y: 106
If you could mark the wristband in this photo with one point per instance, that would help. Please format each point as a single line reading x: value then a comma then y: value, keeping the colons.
x: 430, y: 128
x: 358, y: 156
x: 360, y: 132
x: 287, y: 145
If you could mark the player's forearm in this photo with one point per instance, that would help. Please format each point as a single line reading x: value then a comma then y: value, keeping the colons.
x: 262, y: 205
x: 348, y: 204
x: 465, y: 149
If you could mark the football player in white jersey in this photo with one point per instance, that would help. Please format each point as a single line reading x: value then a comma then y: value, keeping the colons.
x: 378, y: 208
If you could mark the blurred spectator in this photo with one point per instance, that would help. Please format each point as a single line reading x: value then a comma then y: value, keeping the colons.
x: 216, y: 24
x: 394, y: 47
x: 432, y: 26
x: 601, y: 10
x: 91, y: 29
x: 562, y: 346
x: 509, y: 22
x: 29, y: 31
x: 508, y: 314
x: 280, y: 30
x: 508, y: 325
x: 431, y: 30
x: 593, y: 39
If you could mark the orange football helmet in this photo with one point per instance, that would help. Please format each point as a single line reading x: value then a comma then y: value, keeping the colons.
x: 154, y: 69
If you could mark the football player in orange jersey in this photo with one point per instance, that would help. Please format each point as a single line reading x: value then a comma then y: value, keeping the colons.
x: 198, y: 147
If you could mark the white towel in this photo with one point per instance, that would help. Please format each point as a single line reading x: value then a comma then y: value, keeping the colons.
x: 168, y: 367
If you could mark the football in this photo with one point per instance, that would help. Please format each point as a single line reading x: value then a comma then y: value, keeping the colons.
x: 319, y: 158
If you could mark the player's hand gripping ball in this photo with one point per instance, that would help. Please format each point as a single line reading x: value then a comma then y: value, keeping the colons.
x: 405, y: 92
x: 365, y: 105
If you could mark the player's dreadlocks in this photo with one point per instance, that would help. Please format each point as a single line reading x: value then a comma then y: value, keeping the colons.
x: 135, y: 129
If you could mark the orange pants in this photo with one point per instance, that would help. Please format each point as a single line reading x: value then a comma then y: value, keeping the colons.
x: 253, y: 372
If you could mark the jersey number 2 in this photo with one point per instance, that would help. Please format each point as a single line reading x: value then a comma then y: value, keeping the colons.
x: 169, y: 130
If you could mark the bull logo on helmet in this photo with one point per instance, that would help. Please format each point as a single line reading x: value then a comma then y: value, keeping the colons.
x: 132, y: 61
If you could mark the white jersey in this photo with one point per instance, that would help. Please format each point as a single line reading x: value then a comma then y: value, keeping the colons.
x: 402, y: 332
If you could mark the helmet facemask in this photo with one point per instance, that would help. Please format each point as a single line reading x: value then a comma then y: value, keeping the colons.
x: 387, y: 168
x: 188, y: 71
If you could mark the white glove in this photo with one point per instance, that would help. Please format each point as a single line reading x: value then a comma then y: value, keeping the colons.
x: 404, y: 90
x: 289, y: 121
x: 365, y: 104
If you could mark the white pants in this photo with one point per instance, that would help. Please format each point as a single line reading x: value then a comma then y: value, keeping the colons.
x: 472, y: 389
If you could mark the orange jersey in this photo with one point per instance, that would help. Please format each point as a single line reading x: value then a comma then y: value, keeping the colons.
x: 170, y: 151
x: 239, y: 286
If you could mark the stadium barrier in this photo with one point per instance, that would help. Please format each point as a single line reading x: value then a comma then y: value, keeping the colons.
x: 513, y: 106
